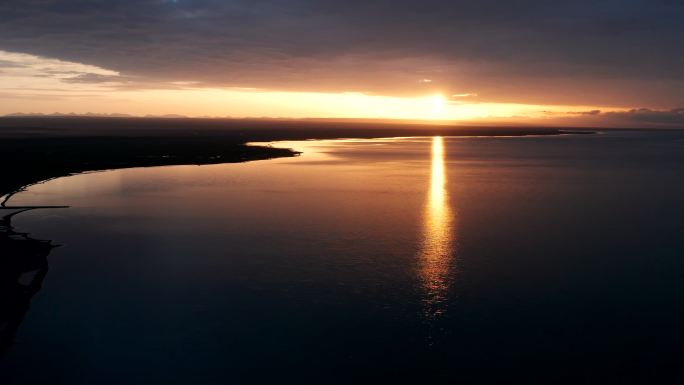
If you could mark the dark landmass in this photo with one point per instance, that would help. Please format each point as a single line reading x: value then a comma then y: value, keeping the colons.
x: 21, y: 256
x: 33, y: 149
x: 30, y: 160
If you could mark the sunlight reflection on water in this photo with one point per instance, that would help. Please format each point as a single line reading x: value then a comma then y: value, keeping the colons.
x: 436, y: 251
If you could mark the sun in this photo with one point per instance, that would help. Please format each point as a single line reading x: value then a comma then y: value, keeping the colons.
x: 437, y: 104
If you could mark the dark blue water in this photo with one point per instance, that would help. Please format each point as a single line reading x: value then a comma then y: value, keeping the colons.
x: 454, y: 260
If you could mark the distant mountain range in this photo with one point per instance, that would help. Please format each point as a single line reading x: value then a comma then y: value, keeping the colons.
x: 92, y: 114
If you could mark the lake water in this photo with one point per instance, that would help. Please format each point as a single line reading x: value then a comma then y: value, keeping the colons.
x: 481, y: 259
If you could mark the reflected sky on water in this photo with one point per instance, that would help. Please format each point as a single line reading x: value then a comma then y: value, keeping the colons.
x: 526, y: 255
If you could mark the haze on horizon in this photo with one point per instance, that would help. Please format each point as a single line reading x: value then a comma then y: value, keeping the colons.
x: 599, y: 63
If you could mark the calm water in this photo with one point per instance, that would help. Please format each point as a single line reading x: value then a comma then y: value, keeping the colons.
x: 485, y: 259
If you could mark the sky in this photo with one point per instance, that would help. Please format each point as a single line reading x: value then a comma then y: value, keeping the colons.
x: 581, y: 62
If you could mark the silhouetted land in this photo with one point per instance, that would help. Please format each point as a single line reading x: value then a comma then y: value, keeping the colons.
x: 21, y: 255
x: 33, y: 149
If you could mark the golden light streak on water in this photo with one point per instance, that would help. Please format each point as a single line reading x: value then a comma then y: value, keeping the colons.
x: 437, y: 249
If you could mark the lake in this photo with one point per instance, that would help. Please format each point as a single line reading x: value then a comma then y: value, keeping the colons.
x: 505, y: 260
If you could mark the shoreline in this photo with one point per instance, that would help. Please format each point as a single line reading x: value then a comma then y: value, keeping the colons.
x: 34, y: 150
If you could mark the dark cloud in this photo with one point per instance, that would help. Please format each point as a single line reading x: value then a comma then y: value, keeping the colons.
x: 591, y: 113
x: 635, y: 118
x: 608, y: 52
x: 673, y: 117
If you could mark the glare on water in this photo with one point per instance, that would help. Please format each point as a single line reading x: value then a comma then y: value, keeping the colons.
x: 436, y: 251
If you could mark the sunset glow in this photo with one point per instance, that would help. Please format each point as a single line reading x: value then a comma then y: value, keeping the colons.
x: 67, y: 87
x: 551, y: 65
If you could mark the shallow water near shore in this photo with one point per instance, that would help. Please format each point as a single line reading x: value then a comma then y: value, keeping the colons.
x: 526, y: 258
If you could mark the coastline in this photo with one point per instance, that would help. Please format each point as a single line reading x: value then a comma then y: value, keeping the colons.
x: 37, y: 149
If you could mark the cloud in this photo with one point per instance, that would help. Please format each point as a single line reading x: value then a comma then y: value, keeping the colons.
x: 633, y: 118
x: 618, y: 52
x: 23, y: 65
x: 37, y: 79
x: 10, y: 64
x: 644, y: 115
x: 92, y: 78
x: 591, y: 113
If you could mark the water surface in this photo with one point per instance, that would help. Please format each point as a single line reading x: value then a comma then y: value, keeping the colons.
x: 502, y: 259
